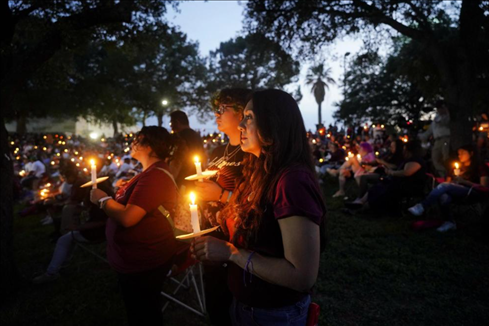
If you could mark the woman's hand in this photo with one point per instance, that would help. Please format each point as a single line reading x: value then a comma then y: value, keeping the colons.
x: 96, y: 194
x: 212, y: 249
x: 208, y: 190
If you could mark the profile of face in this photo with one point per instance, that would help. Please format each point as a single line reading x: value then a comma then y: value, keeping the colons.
x: 227, y: 119
x: 250, y: 142
x: 362, y: 151
x: 464, y: 155
x: 393, y: 147
x: 139, y: 151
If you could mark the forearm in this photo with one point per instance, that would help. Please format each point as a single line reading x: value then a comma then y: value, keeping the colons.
x: 277, y: 271
x: 115, y: 211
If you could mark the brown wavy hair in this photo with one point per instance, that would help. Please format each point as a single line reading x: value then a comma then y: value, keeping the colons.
x: 283, y: 139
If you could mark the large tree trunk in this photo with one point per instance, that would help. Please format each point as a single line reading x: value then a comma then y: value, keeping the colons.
x: 21, y: 123
x: 115, y: 126
x: 159, y: 116
x: 9, y: 278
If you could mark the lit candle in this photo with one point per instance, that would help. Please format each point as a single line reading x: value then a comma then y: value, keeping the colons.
x: 456, y: 171
x: 198, y: 167
x: 359, y: 157
x: 194, y: 216
x: 94, y: 174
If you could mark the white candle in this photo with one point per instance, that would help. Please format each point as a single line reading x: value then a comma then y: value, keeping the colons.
x: 456, y: 171
x: 94, y: 174
x: 198, y: 167
x: 194, y: 216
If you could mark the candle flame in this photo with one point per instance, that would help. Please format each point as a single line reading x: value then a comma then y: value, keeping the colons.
x: 192, y: 198
x: 456, y: 165
x: 196, y: 159
x: 92, y: 162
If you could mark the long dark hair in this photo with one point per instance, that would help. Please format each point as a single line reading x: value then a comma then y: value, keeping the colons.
x: 282, y: 135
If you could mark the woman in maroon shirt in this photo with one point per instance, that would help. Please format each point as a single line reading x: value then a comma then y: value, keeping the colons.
x: 274, y: 219
x: 140, y: 240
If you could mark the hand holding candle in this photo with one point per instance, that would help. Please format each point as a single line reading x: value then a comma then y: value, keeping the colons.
x: 94, y: 174
x: 194, y: 216
x: 198, y: 167
x: 456, y: 171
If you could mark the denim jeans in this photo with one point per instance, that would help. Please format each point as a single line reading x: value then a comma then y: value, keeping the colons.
x: 444, y: 194
x: 63, y: 249
x: 293, y: 315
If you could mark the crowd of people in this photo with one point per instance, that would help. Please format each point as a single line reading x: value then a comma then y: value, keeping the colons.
x: 262, y: 261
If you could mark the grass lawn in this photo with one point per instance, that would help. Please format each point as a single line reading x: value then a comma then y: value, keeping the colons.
x: 375, y: 271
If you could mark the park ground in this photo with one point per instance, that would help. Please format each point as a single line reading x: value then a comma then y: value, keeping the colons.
x: 376, y: 270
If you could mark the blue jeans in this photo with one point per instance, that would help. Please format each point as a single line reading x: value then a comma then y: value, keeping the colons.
x: 293, y: 315
x: 444, y: 194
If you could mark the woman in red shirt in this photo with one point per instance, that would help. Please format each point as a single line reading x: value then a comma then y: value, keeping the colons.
x: 274, y: 219
x: 140, y: 240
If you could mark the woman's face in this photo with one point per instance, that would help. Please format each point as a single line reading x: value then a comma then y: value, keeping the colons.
x: 393, y: 147
x: 249, y: 132
x: 463, y: 156
x: 227, y: 119
x: 139, y: 151
x: 362, y: 151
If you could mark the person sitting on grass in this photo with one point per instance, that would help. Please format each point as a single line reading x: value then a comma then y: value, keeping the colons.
x: 92, y: 231
x: 407, y: 180
x: 357, y: 166
x: 473, y: 180
x: 390, y: 161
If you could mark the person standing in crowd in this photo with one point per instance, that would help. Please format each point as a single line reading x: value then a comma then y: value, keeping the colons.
x: 440, y: 130
x: 473, y: 176
x: 194, y: 146
x: 140, y: 240
x: 275, y: 220
x: 227, y: 160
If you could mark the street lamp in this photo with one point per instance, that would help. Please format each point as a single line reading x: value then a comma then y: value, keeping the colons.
x: 164, y: 102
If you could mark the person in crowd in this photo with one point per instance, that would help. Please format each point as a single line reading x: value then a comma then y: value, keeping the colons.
x: 34, y: 169
x: 193, y: 144
x: 391, y: 161
x: 109, y: 169
x: 125, y: 168
x: 274, y: 222
x: 140, y: 240
x: 472, y: 180
x: 227, y: 160
x: 440, y: 130
x: 408, y: 180
x: 336, y: 158
x: 355, y: 165
x: 91, y: 231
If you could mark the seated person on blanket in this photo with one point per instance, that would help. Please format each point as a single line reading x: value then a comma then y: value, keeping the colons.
x: 470, y: 181
x: 92, y: 231
x: 358, y: 165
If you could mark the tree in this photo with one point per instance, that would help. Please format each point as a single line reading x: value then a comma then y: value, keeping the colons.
x: 384, y: 89
x: 454, y: 34
x: 320, y: 79
x: 58, y: 26
x: 253, y: 61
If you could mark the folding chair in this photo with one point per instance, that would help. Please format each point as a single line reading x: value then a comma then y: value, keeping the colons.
x: 191, y: 278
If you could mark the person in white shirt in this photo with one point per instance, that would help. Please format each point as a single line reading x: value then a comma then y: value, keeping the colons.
x: 440, y: 130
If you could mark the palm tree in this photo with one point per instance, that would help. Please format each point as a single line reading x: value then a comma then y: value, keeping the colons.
x: 320, y: 79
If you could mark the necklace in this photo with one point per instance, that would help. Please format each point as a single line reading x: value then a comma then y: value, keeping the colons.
x: 227, y: 155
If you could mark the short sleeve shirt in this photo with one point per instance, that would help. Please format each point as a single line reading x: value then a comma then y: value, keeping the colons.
x: 297, y: 194
x: 150, y: 243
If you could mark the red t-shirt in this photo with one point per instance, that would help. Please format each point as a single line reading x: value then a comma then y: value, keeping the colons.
x: 296, y: 194
x: 150, y: 243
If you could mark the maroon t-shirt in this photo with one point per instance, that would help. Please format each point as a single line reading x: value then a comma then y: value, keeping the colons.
x: 296, y: 194
x: 150, y: 243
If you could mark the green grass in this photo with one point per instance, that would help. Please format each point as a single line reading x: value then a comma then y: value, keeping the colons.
x: 375, y: 271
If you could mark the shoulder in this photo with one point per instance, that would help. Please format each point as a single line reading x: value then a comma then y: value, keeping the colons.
x: 295, y: 175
